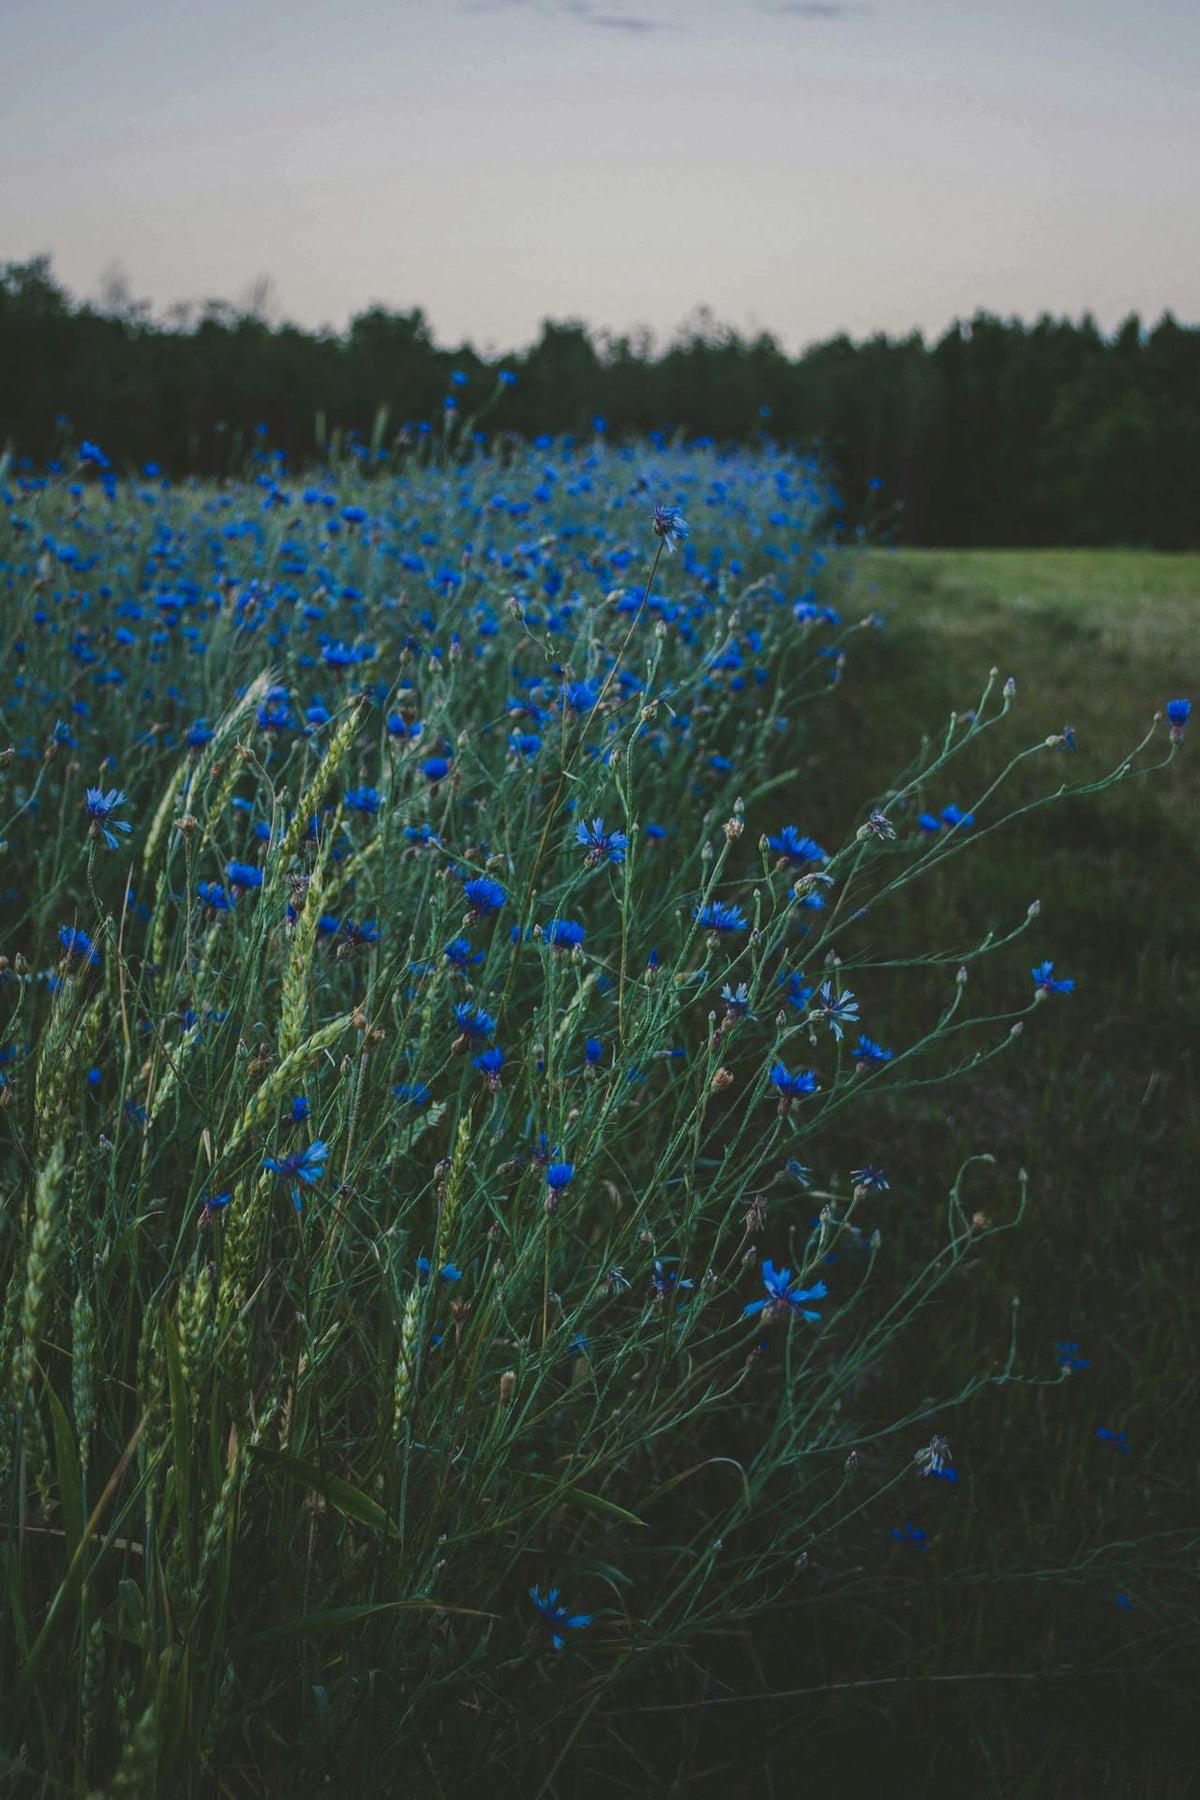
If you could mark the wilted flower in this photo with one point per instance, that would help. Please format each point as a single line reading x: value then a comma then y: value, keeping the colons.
x: 670, y: 525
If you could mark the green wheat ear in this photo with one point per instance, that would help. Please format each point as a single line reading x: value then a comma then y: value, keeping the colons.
x: 310, y: 800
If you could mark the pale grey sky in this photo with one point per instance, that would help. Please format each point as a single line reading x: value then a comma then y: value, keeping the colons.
x: 802, y: 167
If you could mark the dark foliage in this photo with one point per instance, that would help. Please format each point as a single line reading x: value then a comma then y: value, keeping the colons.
x: 1000, y: 433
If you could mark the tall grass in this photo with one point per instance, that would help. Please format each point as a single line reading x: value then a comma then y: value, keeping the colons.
x: 448, y: 1281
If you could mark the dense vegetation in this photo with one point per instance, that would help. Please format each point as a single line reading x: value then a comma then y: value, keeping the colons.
x: 478, y: 1169
x: 1000, y: 433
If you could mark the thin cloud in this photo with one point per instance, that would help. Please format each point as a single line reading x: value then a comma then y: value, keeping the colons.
x: 627, y: 22
x: 818, y: 9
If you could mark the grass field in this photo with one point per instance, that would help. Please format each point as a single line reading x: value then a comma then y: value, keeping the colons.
x: 1064, y: 1559
x: 398, y: 1172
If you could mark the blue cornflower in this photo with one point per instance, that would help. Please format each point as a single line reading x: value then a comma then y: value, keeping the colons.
x: 795, y: 848
x: 399, y: 727
x: 557, y: 1617
x: 1178, y: 714
x: 791, y: 1082
x: 78, y: 946
x: 1044, y: 981
x: 929, y: 822
x: 489, y: 1062
x: 363, y: 800
x: 671, y: 526
x: 737, y: 1001
x: 719, y: 915
x: 423, y: 836
x: 600, y: 844
x: 412, y: 1093
x: 525, y: 743
x: 870, y: 1178
x: 1113, y: 1437
x: 484, y: 895
x: 564, y: 934
x: 243, y: 875
x: 100, y: 808
x: 301, y: 1166
x: 353, y: 933
x: 212, y: 1203
x: 868, y: 1054
x: 214, y: 896
x: 1068, y: 1357
x: 593, y: 1050
x: 447, y: 1272
x: 459, y: 954
x: 473, y: 1021
x: 664, y: 1281
x: 797, y: 992
x: 837, y: 1009
x: 560, y: 1175
x: 951, y: 816
x: 198, y: 735
x: 435, y: 768
x: 911, y: 1535
x: 782, y: 1292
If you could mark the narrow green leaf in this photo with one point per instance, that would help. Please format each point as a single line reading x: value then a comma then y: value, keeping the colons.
x: 337, y: 1492
x: 70, y: 1479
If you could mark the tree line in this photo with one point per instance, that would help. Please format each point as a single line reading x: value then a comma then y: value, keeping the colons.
x: 999, y: 432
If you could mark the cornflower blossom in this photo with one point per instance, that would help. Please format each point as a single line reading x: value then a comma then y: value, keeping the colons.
x: 932, y: 1458
x: 363, y: 800
x: 952, y: 816
x: 868, y: 1054
x: 719, y: 915
x: 737, y: 1001
x: 447, y: 1272
x: 484, y: 896
x: 305, y: 1166
x: 564, y: 934
x: 473, y: 1022
x: 77, y: 946
x: 593, y: 1050
x: 489, y: 1062
x: 600, y: 844
x: 212, y: 1203
x: 1116, y: 1438
x: 783, y: 1294
x: 412, y: 1093
x: 664, y: 1281
x: 671, y: 526
x: 878, y: 825
x: 243, y: 876
x: 1044, y: 981
x: 870, y: 1179
x: 557, y: 1617
x: 1068, y: 1357
x: 792, y: 1082
x: 910, y: 1535
x: 795, y: 848
x: 459, y: 954
x: 837, y: 1009
x: 797, y: 991
x: 1178, y: 714
x: 559, y: 1176
x: 354, y: 934
x: 435, y: 768
x: 100, y: 808
x: 214, y: 896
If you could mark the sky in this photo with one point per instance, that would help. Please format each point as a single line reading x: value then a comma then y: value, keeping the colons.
x: 803, y: 167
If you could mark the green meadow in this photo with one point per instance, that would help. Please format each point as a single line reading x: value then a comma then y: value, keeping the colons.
x: 598, y: 1154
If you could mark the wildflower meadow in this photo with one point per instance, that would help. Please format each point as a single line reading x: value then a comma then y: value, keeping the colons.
x: 475, y: 1251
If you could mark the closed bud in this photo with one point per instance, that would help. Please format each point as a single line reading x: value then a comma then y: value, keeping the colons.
x: 961, y: 977
x: 508, y: 1382
x: 722, y: 1078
